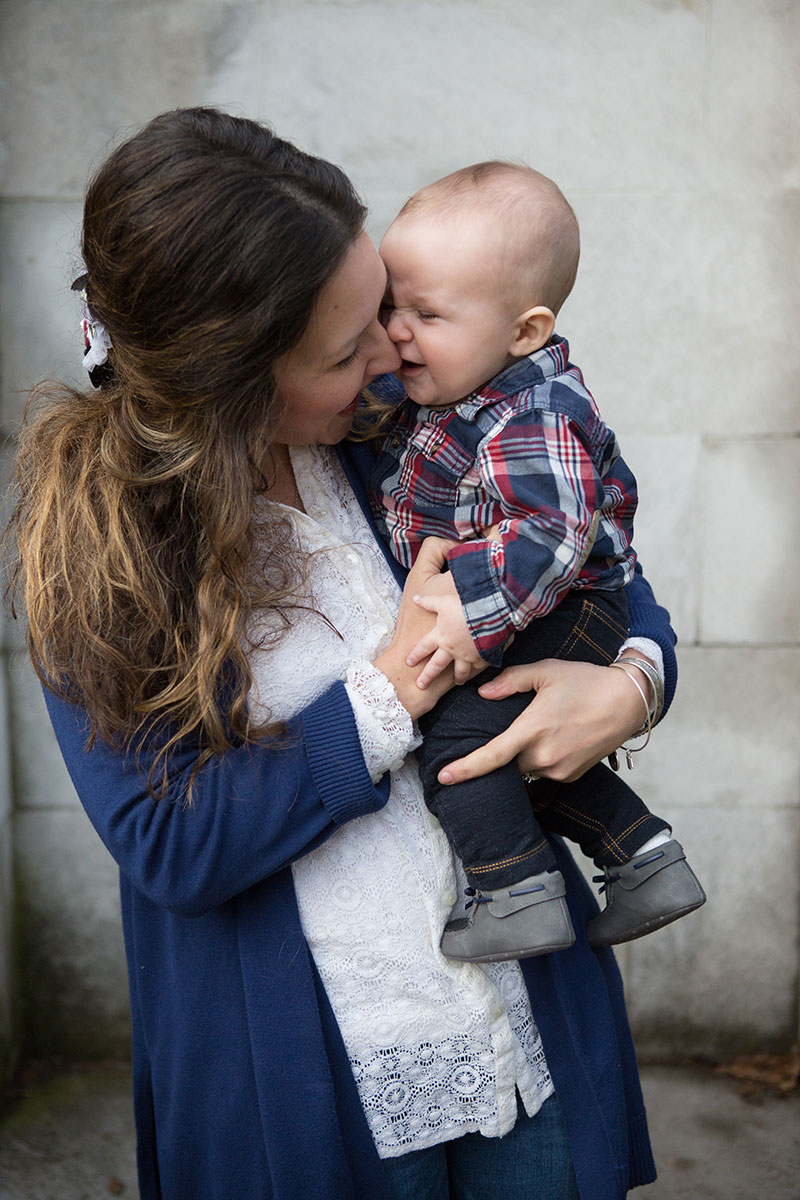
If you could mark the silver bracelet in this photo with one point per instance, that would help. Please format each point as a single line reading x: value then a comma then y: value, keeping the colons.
x: 647, y: 727
x: 656, y: 682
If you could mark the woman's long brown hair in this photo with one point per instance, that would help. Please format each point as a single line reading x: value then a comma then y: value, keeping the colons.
x: 206, y: 241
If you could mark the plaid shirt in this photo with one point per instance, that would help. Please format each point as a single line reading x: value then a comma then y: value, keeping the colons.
x: 529, y: 452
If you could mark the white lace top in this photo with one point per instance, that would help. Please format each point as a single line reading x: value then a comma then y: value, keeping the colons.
x: 438, y: 1048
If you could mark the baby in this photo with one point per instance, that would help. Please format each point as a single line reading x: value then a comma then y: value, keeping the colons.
x: 500, y: 447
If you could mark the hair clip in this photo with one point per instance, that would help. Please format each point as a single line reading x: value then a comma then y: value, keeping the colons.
x: 96, y: 341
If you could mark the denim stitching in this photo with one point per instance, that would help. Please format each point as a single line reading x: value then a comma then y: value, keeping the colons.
x: 609, y: 842
x: 508, y: 862
x: 590, y: 612
x: 609, y: 622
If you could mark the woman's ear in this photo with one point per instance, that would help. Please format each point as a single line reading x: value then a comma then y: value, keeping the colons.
x: 532, y: 330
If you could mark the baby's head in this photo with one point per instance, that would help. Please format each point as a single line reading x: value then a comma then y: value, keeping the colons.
x: 479, y: 264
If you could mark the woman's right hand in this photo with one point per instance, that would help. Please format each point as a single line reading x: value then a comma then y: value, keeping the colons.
x: 413, y: 623
x: 580, y: 713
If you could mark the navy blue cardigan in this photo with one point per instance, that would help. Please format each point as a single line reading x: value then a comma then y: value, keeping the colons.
x: 242, y: 1087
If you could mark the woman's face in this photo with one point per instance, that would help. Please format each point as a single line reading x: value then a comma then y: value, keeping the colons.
x: 342, y: 350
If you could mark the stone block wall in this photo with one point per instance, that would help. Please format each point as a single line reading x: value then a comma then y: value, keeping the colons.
x: 9, y: 1027
x: 672, y: 127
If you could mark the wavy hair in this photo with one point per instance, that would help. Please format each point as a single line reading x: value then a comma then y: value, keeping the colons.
x: 206, y: 241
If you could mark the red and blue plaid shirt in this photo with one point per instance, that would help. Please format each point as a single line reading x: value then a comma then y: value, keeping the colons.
x: 530, y: 453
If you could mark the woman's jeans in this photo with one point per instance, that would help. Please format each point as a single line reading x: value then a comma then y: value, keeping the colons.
x: 532, y: 1162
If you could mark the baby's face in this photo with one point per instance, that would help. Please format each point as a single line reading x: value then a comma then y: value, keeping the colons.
x: 449, y: 314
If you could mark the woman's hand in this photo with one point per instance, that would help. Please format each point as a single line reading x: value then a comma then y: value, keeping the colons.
x: 413, y: 624
x: 581, y: 712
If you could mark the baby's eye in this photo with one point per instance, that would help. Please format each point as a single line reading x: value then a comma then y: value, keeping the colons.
x: 426, y: 316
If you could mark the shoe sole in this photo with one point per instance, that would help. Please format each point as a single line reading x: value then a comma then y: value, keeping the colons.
x: 648, y: 926
x: 509, y: 955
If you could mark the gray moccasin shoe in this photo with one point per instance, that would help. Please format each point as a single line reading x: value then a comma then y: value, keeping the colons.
x: 527, y: 918
x: 651, y: 890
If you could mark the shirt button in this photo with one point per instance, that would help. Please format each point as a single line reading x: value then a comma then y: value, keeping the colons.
x: 450, y: 898
x: 498, y: 1012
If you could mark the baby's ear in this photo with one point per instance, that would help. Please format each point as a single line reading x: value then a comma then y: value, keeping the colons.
x: 532, y: 330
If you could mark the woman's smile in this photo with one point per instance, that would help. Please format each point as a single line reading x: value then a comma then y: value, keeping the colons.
x: 342, y: 350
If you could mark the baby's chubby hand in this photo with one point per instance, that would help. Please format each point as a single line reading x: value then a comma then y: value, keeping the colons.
x: 450, y: 640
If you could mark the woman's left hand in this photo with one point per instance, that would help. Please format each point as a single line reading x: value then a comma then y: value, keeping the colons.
x: 580, y: 713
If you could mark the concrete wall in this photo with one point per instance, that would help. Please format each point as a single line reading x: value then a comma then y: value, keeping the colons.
x: 672, y: 127
x: 9, y: 1030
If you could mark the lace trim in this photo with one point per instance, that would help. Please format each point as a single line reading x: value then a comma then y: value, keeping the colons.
x: 385, y: 729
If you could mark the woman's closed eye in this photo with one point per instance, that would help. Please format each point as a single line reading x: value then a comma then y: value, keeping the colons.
x: 351, y: 358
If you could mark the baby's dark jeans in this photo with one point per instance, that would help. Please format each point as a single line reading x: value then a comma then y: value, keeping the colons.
x: 496, y: 823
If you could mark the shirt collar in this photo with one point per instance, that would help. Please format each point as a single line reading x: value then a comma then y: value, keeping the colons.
x: 535, y: 368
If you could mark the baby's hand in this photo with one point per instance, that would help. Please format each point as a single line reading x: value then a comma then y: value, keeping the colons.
x: 450, y: 640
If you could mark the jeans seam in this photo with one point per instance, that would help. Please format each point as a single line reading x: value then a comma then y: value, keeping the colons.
x: 609, y: 622
x: 579, y: 632
x: 509, y: 862
x: 611, y: 843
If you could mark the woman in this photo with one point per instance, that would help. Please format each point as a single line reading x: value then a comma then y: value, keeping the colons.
x: 213, y: 621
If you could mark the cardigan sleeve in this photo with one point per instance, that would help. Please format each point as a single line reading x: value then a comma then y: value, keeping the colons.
x: 648, y: 619
x: 254, y: 809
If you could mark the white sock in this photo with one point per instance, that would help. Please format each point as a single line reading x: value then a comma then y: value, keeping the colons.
x: 658, y: 840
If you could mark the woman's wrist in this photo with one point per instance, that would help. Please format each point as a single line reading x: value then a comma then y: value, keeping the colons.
x: 416, y: 701
x: 626, y: 704
x: 648, y: 649
x: 385, y: 728
x: 644, y: 673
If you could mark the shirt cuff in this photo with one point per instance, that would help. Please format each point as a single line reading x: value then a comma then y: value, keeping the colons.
x: 649, y: 649
x: 475, y: 568
x: 385, y: 728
